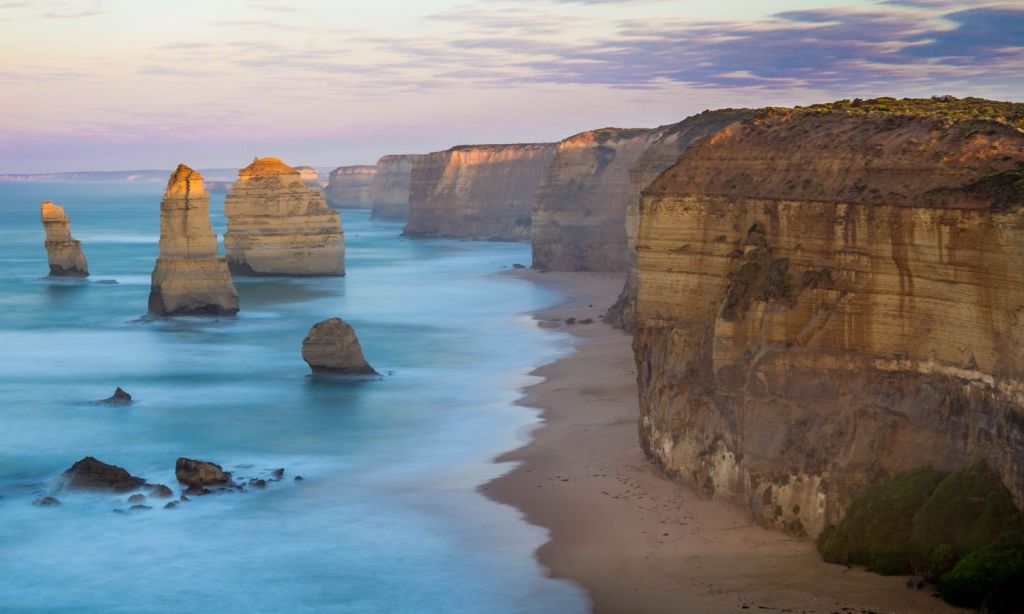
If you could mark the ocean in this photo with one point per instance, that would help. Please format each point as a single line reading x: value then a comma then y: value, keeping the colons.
x: 387, y: 517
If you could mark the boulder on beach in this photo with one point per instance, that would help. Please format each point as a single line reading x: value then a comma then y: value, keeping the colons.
x: 92, y: 474
x: 332, y: 347
x: 199, y: 473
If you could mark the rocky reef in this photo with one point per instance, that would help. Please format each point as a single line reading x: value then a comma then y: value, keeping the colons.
x: 190, y: 278
x: 671, y: 142
x: 389, y: 190
x: 349, y: 187
x: 476, y: 191
x: 63, y: 251
x: 832, y: 295
x: 278, y: 226
x: 579, y: 210
x: 332, y: 347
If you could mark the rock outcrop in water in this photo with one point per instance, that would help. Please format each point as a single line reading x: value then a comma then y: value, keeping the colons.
x: 579, y: 210
x: 389, y: 191
x: 332, y: 347
x: 92, y: 474
x: 476, y: 191
x: 62, y: 250
x: 199, y: 473
x: 311, y: 177
x: 278, y: 226
x: 350, y: 187
x: 832, y: 295
x: 190, y: 278
x: 671, y: 142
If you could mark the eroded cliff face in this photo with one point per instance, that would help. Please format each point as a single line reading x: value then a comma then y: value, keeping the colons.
x: 389, y: 190
x: 348, y: 187
x: 63, y: 251
x: 190, y: 278
x: 579, y: 211
x: 278, y: 226
x: 476, y: 191
x: 826, y: 299
x: 311, y: 177
x: 671, y: 142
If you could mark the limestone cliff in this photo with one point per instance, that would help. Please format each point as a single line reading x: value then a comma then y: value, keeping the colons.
x: 189, y: 278
x: 579, y: 210
x: 389, y: 190
x: 828, y: 296
x: 476, y: 191
x: 278, y: 226
x: 63, y: 251
x: 349, y: 187
x: 311, y: 177
x: 671, y: 142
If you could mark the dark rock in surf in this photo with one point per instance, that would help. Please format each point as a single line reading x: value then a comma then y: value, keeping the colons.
x: 92, y: 474
x: 199, y: 473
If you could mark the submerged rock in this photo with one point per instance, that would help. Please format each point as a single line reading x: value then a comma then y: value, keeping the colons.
x: 332, y: 347
x: 199, y: 473
x: 160, y: 490
x: 137, y: 498
x: 62, y: 250
x: 278, y: 226
x: 189, y: 279
x: 120, y: 397
x: 92, y: 474
x: 47, y: 502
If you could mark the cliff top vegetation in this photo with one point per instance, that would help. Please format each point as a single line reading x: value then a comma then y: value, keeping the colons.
x: 949, y: 108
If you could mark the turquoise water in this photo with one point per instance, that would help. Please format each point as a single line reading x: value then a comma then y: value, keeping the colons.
x: 387, y: 518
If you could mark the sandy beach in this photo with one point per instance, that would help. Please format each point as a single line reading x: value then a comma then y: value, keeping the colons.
x: 636, y: 540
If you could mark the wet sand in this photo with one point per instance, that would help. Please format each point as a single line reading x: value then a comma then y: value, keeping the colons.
x: 636, y: 540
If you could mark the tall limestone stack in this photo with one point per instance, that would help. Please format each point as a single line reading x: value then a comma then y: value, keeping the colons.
x: 349, y: 187
x: 63, y: 251
x: 190, y: 278
x: 832, y: 295
x: 476, y: 191
x: 579, y: 210
x: 389, y: 190
x: 278, y: 226
x: 672, y: 141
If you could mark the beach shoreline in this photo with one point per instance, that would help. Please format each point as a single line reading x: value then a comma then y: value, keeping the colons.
x: 636, y: 540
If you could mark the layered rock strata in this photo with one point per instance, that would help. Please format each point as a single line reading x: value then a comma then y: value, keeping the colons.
x: 190, y: 278
x: 827, y: 297
x: 476, y: 191
x: 579, y: 210
x: 278, y: 226
x: 349, y: 187
x: 63, y: 251
x: 671, y: 142
x: 389, y: 190
x: 332, y: 347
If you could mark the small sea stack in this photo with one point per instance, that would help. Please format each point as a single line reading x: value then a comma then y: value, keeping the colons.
x: 62, y: 250
x: 333, y: 348
x: 349, y: 187
x: 278, y: 226
x: 190, y: 278
x: 311, y: 177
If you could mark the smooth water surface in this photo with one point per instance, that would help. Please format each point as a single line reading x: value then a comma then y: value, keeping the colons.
x: 387, y: 518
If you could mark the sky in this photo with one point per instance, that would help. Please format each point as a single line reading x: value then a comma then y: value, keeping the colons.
x: 140, y: 84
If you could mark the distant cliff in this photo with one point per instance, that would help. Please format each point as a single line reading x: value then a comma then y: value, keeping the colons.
x: 389, y: 190
x: 671, y: 142
x: 348, y: 187
x: 831, y: 295
x: 476, y: 191
x: 579, y: 211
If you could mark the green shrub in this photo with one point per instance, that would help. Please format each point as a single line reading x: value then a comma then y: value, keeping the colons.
x: 991, y: 577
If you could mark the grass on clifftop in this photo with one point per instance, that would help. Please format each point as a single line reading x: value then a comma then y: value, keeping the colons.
x: 945, y: 107
x: 959, y: 529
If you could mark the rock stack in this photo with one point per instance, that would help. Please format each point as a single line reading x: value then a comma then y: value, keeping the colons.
x: 349, y: 187
x: 278, y: 226
x: 64, y: 252
x: 311, y: 177
x: 332, y: 347
x: 190, y: 278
